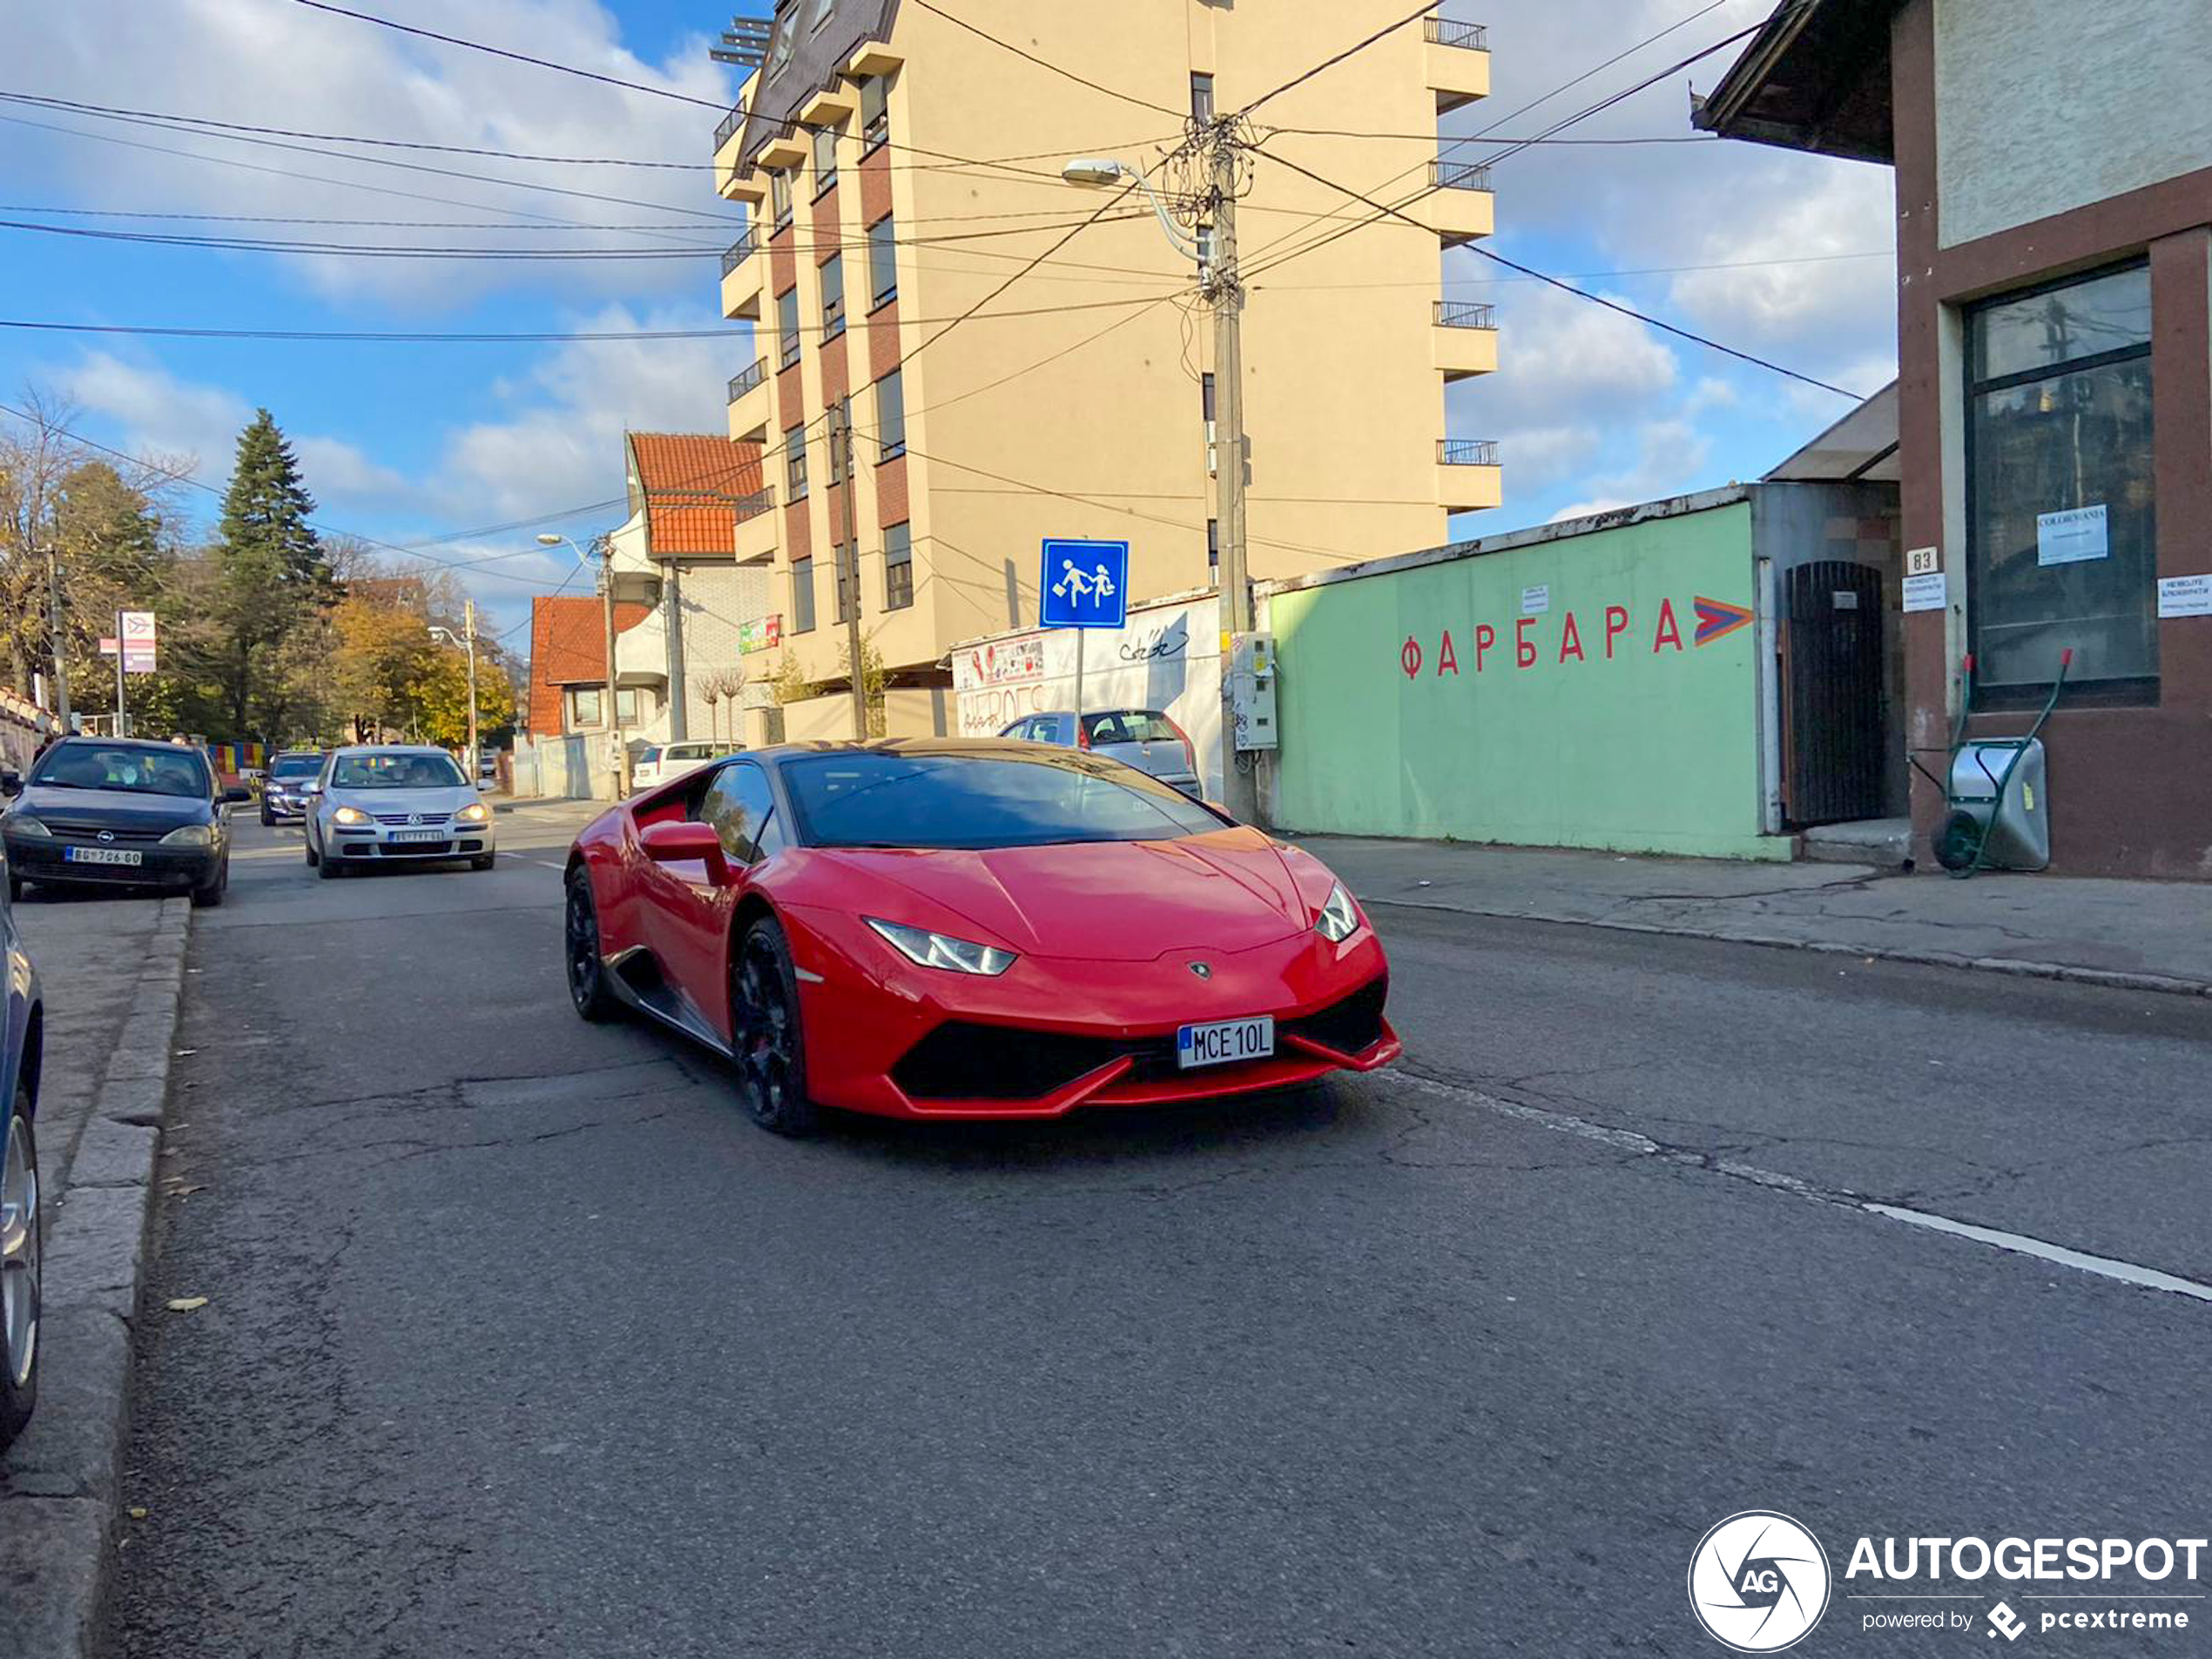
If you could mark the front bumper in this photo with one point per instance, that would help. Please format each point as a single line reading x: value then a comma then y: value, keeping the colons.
x: 1055, y: 1035
x: 36, y: 858
x: 284, y: 807
x: 379, y: 844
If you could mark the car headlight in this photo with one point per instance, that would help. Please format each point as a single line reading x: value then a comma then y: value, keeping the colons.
x: 190, y: 835
x: 1339, y: 918
x: 350, y: 816
x: 919, y: 946
x: 476, y: 813
x: 23, y: 824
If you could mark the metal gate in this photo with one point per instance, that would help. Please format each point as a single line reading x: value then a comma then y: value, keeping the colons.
x: 1832, y: 678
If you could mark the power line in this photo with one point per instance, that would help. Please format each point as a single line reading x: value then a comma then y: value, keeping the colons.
x: 1065, y: 74
x: 544, y: 337
x: 519, y: 57
x: 1583, y: 294
x: 1331, y: 63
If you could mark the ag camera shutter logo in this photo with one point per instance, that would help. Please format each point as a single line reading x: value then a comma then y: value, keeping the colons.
x: 1758, y: 1582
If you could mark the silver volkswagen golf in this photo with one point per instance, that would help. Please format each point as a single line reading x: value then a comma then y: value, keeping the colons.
x: 385, y: 803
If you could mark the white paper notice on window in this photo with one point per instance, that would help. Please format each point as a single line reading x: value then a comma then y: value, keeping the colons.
x: 1536, y: 600
x: 1925, y: 592
x: 2071, y: 536
x: 2185, y: 596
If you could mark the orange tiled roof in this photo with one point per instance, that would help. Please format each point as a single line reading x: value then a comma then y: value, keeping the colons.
x: 568, y: 647
x: 692, y: 483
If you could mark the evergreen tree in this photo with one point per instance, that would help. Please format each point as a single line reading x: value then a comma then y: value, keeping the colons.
x: 272, y: 574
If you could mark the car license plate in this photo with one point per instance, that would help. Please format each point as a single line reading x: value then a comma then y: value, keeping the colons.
x: 101, y: 855
x: 419, y: 835
x: 1223, y: 1041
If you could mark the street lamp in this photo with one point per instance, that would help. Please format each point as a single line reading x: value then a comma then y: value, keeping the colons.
x: 619, y: 760
x: 466, y: 641
x: 1218, y: 279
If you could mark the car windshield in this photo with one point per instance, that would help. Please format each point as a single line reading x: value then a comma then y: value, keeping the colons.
x: 295, y: 765
x: 395, y: 771
x: 866, y: 798
x: 140, y: 771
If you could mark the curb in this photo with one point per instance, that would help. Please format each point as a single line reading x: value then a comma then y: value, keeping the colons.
x: 62, y: 1483
x: 2110, y: 978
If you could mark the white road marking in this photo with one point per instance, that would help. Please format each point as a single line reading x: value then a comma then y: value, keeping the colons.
x: 549, y: 864
x: 1622, y: 1139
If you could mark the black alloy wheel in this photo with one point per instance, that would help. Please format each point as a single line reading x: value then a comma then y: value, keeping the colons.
x: 22, y: 1227
x: 588, y: 988
x: 771, y: 1048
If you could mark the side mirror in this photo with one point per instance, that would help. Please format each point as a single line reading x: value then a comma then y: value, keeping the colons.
x: 11, y: 782
x: 235, y: 794
x: 687, y: 843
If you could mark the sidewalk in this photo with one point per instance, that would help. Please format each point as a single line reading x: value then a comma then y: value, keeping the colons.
x: 2141, y: 936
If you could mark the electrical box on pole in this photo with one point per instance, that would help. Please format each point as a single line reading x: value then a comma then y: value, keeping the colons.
x: 1251, y: 692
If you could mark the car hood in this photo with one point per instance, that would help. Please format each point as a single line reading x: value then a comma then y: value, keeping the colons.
x: 446, y: 798
x: 119, y: 808
x: 1101, y: 901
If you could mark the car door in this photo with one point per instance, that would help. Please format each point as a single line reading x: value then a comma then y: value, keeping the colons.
x: 687, y: 917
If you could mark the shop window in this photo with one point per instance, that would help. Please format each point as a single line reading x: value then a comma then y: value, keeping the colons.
x: 2061, y: 507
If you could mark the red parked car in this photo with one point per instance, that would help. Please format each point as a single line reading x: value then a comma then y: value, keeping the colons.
x: 936, y: 928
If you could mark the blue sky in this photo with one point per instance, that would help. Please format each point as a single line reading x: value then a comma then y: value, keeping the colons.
x: 1782, y: 255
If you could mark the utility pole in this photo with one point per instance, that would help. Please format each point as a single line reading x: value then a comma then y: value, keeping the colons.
x: 1239, y: 792
x: 614, y: 705
x: 122, y: 718
x: 469, y: 634
x: 841, y: 423
x: 54, y: 635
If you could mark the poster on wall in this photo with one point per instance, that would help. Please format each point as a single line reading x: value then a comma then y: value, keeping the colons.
x: 2068, y: 537
x: 2185, y: 596
x: 1925, y: 592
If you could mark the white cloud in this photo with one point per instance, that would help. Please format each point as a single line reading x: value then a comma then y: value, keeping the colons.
x: 313, y: 72
x: 164, y: 415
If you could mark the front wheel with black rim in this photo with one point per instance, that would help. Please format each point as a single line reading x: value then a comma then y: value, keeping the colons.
x: 771, y: 1046
x: 588, y: 988
x: 21, y: 1219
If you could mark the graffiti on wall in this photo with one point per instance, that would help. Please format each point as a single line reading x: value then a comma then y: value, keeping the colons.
x: 1530, y: 640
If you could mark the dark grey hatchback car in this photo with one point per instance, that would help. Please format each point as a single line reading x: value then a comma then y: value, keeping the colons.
x: 108, y: 812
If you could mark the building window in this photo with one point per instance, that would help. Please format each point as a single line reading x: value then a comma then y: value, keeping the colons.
x: 780, y: 44
x: 585, y: 711
x: 823, y: 8
x: 626, y: 705
x: 788, y: 328
x: 1213, y: 549
x: 1202, y: 98
x: 898, y: 567
x: 891, y: 414
x: 883, y: 263
x: 848, y: 581
x: 832, y: 275
x: 825, y: 158
x: 802, y: 596
x: 795, y: 463
x: 838, y: 441
x: 2060, y: 521
x: 875, y: 112
x: 779, y: 198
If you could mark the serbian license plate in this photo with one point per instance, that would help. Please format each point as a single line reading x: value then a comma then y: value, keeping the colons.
x: 419, y: 835
x: 101, y: 855
x: 1223, y: 1041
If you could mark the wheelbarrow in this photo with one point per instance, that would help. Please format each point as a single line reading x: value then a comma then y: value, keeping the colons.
x: 1981, y: 778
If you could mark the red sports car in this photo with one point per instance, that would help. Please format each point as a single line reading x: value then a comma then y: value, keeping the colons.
x: 936, y: 928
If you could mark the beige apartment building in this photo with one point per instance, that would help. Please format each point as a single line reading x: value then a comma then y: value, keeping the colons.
x: 900, y: 166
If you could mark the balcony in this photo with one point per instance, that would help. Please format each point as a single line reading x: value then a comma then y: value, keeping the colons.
x: 728, y: 138
x: 1459, y: 206
x: 749, y: 404
x: 1458, y: 62
x: 1468, y: 477
x: 870, y: 60
x: 741, y: 279
x: 1466, y: 339
x: 757, y: 523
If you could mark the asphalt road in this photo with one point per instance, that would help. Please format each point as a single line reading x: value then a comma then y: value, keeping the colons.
x: 521, y: 1340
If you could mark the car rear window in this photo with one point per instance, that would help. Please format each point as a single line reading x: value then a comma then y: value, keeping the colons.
x: 985, y: 800
x: 1153, y: 727
x: 648, y: 757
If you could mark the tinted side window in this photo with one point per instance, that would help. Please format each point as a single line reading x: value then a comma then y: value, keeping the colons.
x: 736, y: 803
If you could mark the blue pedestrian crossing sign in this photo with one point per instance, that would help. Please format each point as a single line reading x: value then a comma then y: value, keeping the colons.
x: 1085, y: 584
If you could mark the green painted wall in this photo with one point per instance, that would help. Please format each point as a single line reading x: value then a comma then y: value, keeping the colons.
x: 1653, y: 747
